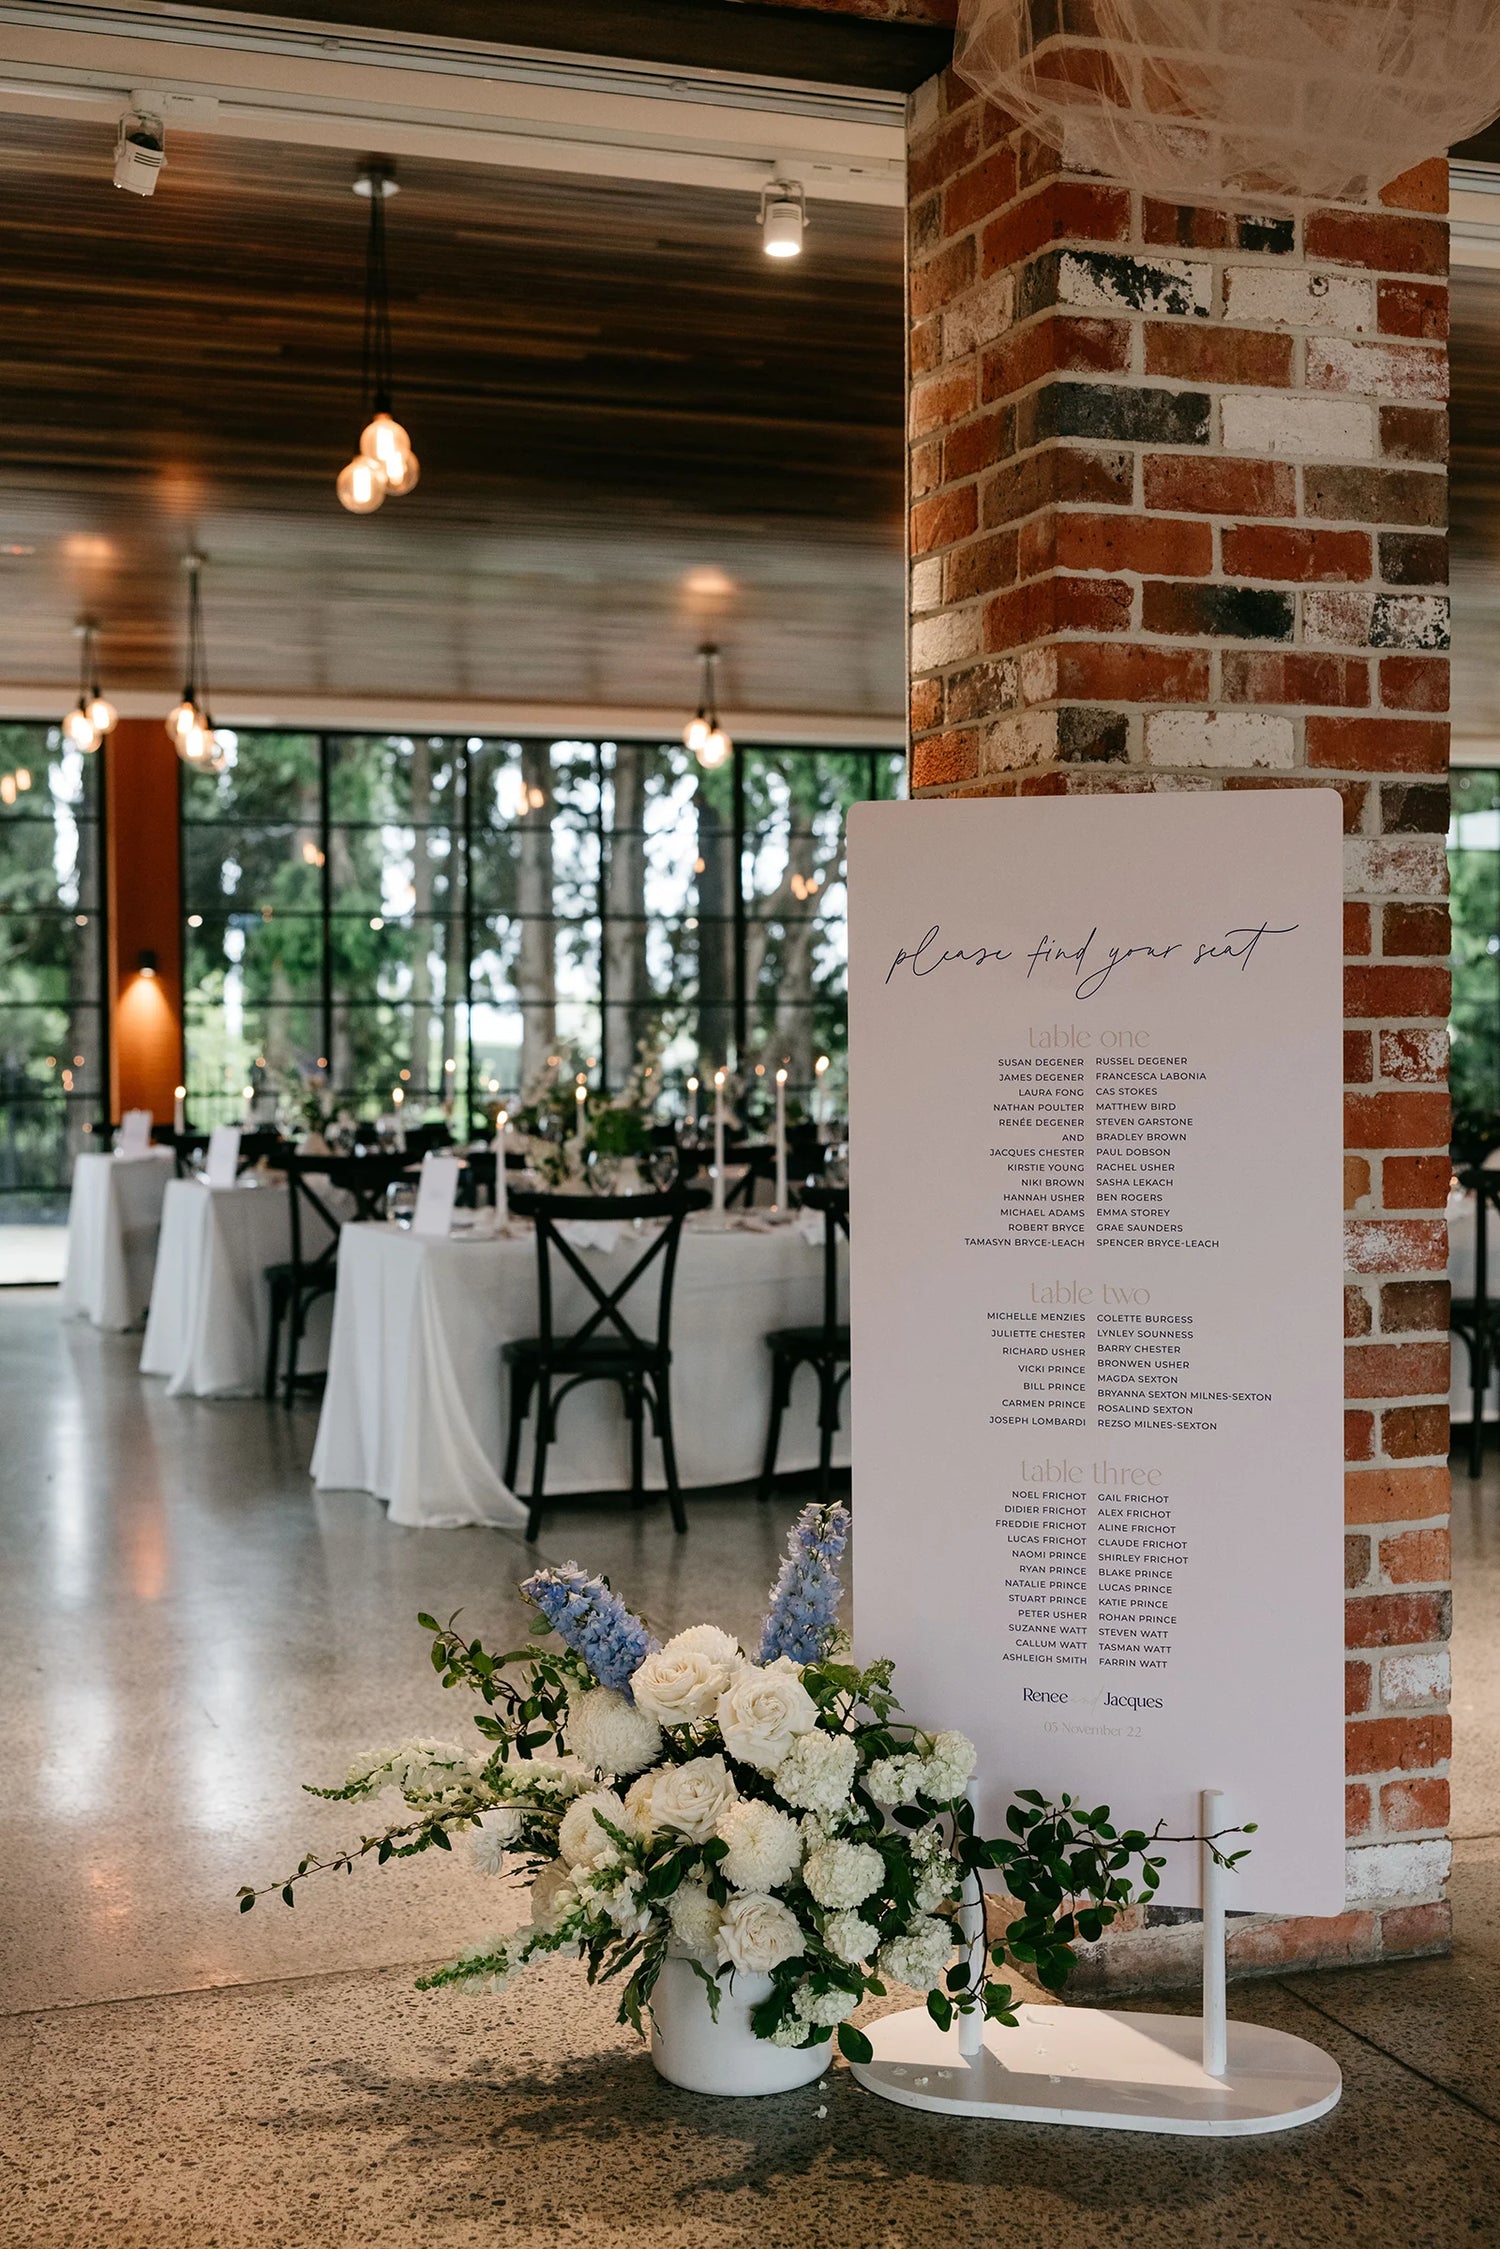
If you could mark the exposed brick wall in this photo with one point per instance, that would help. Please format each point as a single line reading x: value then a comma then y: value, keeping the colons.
x: 1178, y: 498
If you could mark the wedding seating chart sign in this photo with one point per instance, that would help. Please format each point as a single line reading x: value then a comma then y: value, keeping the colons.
x: 1096, y: 1109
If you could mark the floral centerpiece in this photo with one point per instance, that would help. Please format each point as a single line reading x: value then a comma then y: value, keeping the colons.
x: 763, y: 1820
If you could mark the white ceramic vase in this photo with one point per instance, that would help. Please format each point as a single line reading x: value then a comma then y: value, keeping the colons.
x: 703, y: 2056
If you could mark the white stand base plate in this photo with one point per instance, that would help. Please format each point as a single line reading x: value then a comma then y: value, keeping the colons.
x: 1118, y: 2072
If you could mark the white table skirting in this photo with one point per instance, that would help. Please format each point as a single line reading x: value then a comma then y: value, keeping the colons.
x: 211, y: 1304
x: 415, y: 1406
x: 113, y: 1216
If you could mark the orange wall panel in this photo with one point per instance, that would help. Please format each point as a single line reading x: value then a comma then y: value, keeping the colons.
x: 140, y: 787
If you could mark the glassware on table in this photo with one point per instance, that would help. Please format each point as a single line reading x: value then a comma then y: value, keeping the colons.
x: 662, y: 1169
x: 836, y: 1165
x: 602, y: 1173
x: 401, y: 1202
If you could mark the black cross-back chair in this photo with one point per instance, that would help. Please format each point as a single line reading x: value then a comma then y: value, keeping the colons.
x: 297, y: 1284
x: 825, y: 1349
x: 1475, y: 1319
x: 606, y: 1347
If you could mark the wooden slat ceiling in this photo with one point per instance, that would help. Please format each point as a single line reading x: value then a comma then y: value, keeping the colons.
x: 614, y: 394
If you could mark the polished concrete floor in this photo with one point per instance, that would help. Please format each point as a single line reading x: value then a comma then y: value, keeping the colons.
x: 190, y: 1632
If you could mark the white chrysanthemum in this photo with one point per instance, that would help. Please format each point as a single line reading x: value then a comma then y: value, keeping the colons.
x: 695, y: 1920
x: 843, y: 1875
x: 765, y: 1846
x: 691, y: 1798
x: 920, y: 1954
x: 894, y: 1780
x: 850, y: 1937
x: 757, y: 1933
x: 948, y: 1767
x: 763, y: 1710
x: 817, y: 1773
x: 708, y: 1640
x: 553, y: 1895
x: 824, y: 2008
x: 580, y: 1838
x: 492, y: 1838
x: 681, y: 1686
x: 791, y: 2033
x: 607, y: 1734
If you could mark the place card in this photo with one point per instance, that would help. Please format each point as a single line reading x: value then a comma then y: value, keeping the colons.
x: 437, y: 1191
x: 221, y: 1168
x: 135, y: 1133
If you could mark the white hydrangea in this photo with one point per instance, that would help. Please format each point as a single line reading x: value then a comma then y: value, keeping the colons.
x: 948, y: 1766
x: 695, y: 1920
x: 789, y: 2033
x: 843, y: 1875
x: 939, y: 1875
x: 920, y: 1954
x: 850, y: 1937
x: 708, y: 1640
x: 817, y: 1773
x: 762, y: 1712
x: 894, y: 1780
x: 822, y: 2009
x: 757, y: 1933
x: 492, y: 1837
x: 607, y: 1734
x: 681, y: 1686
x: 580, y: 1838
x: 765, y: 1846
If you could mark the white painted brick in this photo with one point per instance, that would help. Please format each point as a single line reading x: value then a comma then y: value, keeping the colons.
x: 1336, y: 619
x: 1038, y: 675
x: 1404, y: 1871
x: 1260, y: 296
x: 924, y: 108
x: 1124, y: 281
x: 1386, y: 371
x: 979, y: 317
x: 945, y: 639
x: 1410, y: 1682
x: 1395, y: 867
x: 927, y: 584
x: 1298, y: 428
x: 1253, y: 741
x: 1030, y: 738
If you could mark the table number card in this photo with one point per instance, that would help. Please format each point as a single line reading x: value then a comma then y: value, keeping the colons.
x: 135, y: 1133
x: 221, y: 1168
x: 1098, y: 1387
x: 437, y: 1190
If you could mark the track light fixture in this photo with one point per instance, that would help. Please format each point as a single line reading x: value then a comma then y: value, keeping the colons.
x: 703, y: 734
x: 93, y: 715
x: 140, y: 146
x: 385, y: 462
x: 783, y: 218
x: 190, y: 728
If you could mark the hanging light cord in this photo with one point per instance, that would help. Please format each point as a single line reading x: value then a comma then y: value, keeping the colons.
x: 377, y: 363
x: 196, y: 690
x: 85, y: 664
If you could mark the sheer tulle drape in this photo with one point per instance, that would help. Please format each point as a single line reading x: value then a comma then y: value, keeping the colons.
x: 1328, y: 98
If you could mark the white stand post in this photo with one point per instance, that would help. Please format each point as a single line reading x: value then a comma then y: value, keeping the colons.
x: 1114, y: 2071
x: 1215, y: 1966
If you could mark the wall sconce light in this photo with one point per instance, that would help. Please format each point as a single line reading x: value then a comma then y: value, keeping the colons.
x: 145, y: 964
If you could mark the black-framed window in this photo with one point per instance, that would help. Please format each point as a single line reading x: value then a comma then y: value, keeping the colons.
x: 447, y: 913
x: 1474, y: 879
x: 54, y: 1031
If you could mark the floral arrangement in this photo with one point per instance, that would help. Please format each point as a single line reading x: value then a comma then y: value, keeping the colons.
x: 765, y: 1814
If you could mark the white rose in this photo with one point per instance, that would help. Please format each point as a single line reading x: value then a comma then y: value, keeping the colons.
x: 849, y: 1937
x: 496, y: 1830
x: 607, y: 1734
x: 708, y: 1640
x: 843, y: 1875
x: 817, y: 1773
x: 580, y: 1838
x: 757, y: 1933
x: 765, y: 1846
x: 763, y: 1710
x: 695, y: 1920
x: 690, y: 1798
x: 680, y: 1686
x: 638, y: 1804
x: 552, y: 1895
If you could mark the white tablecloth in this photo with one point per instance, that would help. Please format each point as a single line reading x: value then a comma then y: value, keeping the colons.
x: 210, y: 1304
x: 415, y: 1405
x: 113, y: 1216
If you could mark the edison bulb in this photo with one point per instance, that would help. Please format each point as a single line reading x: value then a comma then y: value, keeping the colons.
x: 23, y: 777
x: 401, y: 476
x: 384, y: 440
x: 362, y: 485
x: 102, y: 713
x: 80, y: 730
x: 193, y: 742
x: 716, y: 749
x: 179, y: 720
x: 695, y: 734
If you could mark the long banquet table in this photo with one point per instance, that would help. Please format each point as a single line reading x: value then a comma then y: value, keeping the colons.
x: 414, y: 1410
x: 210, y: 1306
x: 113, y: 1216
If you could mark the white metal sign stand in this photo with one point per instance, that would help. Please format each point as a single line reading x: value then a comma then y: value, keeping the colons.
x: 1121, y: 2072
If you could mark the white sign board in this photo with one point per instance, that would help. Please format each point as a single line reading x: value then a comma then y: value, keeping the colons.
x: 1096, y: 1102
x: 222, y: 1164
x: 135, y: 1133
x: 437, y: 1188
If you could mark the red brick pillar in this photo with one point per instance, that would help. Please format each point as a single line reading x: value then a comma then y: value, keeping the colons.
x: 1178, y: 499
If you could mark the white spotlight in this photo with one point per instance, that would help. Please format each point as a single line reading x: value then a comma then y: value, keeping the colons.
x: 140, y: 151
x: 783, y: 217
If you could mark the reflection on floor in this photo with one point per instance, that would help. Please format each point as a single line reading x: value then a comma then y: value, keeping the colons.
x: 192, y: 1633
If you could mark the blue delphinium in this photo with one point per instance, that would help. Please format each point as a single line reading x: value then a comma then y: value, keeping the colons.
x: 805, y: 1598
x: 591, y: 1620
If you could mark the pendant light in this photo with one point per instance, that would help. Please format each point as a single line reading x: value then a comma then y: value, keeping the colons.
x: 385, y: 463
x: 189, y: 726
x: 93, y: 715
x: 703, y: 734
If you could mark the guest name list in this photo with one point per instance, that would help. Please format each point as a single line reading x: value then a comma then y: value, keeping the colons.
x: 1096, y: 1139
